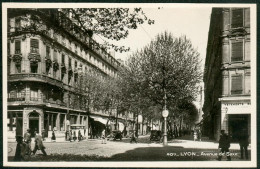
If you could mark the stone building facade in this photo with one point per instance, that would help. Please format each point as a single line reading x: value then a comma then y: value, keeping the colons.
x: 44, y: 68
x: 227, y: 73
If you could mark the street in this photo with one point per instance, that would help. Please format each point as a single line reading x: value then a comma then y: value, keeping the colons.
x: 93, y: 150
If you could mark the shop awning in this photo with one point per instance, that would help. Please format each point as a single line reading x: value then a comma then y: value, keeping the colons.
x: 101, y: 120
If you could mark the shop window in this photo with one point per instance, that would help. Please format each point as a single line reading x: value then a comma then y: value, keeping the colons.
x: 236, y: 84
x: 52, y: 121
x: 62, y: 122
x: 237, y: 18
x: 237, y: 51
x: 17, y: 47
x: 34, y: 94
x: 34, y: 46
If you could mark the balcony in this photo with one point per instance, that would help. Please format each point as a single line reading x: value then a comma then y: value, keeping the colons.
x: 16, y: 99
x: 34, y: 77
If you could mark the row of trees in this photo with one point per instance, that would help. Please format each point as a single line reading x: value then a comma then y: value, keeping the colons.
x: 167, y: 65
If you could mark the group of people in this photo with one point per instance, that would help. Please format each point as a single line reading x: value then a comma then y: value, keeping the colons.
x: 224, y: 145
x: 71, y: 136
x: 23, y: 147
x: 197, y: 135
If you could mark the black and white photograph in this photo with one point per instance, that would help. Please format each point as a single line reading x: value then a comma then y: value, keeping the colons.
x: 129, y: 85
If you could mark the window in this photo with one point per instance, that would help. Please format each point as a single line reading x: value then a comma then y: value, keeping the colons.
x: 8, y: 48
x: 34, y: 67
x: 237, y: 18
x: 55, y: 56
x: 236, y: 84
x: 63, y: 58
x: 76, y: 64
x: 237, y: 51
x: 48, y: 52
x: 34, y: 94
x: 18, y: 68
x: 17, y: 47
x: 34, y: 46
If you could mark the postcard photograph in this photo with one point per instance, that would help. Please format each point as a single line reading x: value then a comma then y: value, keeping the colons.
x: 129, y: 85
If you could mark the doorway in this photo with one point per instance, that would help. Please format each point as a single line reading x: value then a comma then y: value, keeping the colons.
x: 34, y: 123
x: 236, y: 123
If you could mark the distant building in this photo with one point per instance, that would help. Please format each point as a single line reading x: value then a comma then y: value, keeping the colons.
x: 227, y: 73
x: 44, y: 67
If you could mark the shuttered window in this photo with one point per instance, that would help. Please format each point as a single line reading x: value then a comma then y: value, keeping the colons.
x: 34, y: 46
x: 237, y: 51
x: 236, y: 84
x: 237, y: 18
x: 17, y: 47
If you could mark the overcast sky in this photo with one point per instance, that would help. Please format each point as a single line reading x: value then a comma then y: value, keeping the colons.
x: 192, y: 22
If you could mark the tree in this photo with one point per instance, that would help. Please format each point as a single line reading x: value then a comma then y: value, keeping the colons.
x: 167, y: 65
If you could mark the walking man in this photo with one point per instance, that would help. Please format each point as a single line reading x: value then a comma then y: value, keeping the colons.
x: 224, y: 144
x: 28, y: 140
x: 103, y: 137
x: 243, y: 143
x: 39, y: 144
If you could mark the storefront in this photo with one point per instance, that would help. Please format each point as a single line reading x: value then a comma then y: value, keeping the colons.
x: 236, y: 116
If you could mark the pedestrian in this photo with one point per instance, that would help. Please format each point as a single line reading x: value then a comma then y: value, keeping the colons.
x: 66, y: 135
x: 70, y: 136
x: 43, y: 135
x: 195, y: 135
x: 133, y: 138
x: 53, y: 137
x: 79, y: 135
x: 20, y: 149
x: 224, y: 144
x: 74, y: 136
x: 27, y: 140
x: 103, y: 137
x: 199, y: 135
x: 39, y: 144
x: 243, y: 143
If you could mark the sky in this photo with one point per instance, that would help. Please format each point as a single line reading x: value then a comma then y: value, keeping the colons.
x: 190, y: 21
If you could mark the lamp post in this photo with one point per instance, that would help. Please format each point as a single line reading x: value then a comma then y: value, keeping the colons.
x: 165, y: 114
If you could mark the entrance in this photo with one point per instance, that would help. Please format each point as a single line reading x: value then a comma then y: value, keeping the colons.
x: 236, y: 123
x: 34, y: 123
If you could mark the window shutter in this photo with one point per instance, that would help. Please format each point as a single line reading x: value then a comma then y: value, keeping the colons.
x: 237, y: 18
x: 237, y: 51
x: 236, y: 87
x: 34, y: 43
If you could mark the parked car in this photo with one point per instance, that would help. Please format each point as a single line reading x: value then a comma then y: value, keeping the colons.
x: 156, y: 135
x: 116, y: 134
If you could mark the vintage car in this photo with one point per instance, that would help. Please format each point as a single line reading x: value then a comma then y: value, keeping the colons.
x: 116, y: 134
x: 156, y: 135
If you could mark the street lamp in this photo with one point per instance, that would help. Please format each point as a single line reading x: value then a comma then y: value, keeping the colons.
x: 165, y: 114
